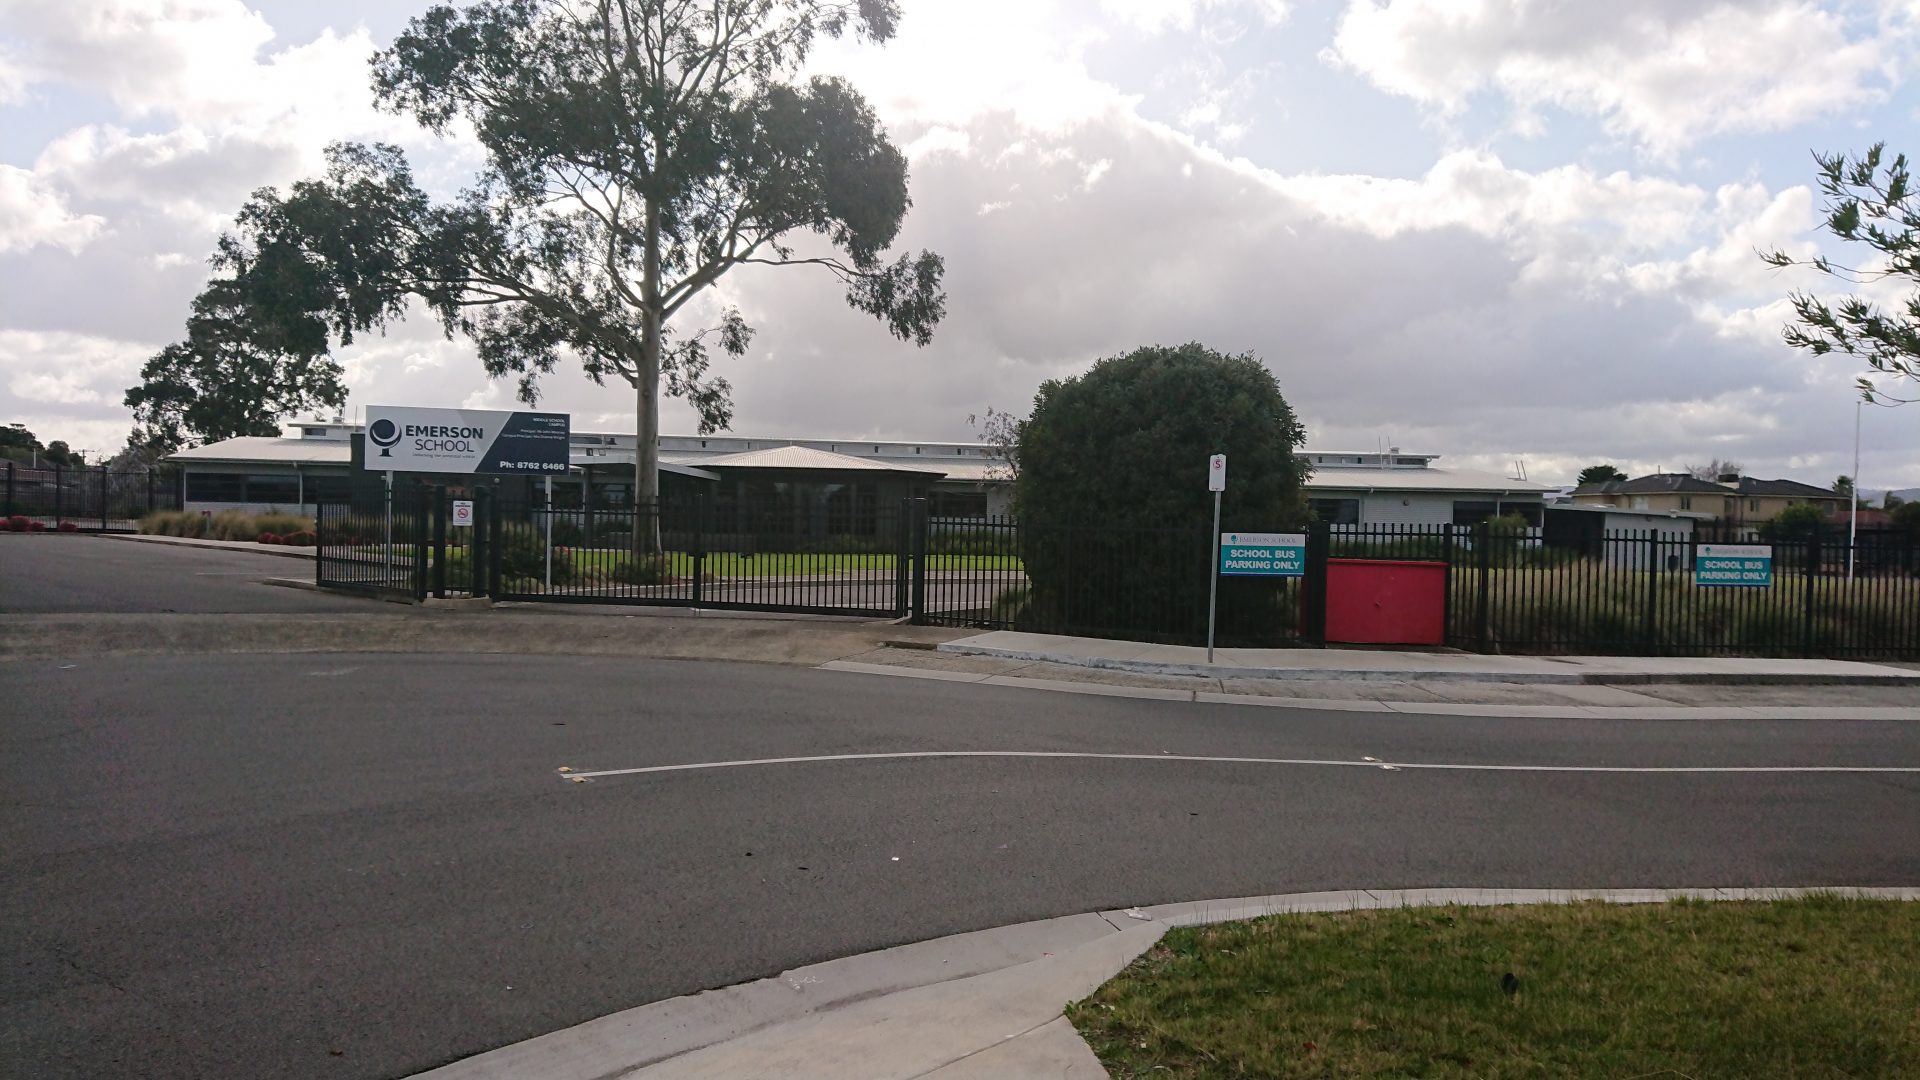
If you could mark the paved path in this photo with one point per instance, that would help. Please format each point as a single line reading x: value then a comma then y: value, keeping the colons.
x: 80, y: 573
x: 363, y: 866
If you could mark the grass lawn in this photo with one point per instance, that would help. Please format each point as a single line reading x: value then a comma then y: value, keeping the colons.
x: 1820, y: 987
x: 727, y: 564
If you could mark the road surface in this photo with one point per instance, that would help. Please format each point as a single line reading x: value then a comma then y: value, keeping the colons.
x: 363, y: 866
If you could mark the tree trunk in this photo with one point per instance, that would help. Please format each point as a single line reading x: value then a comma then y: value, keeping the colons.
x: 646, y: 458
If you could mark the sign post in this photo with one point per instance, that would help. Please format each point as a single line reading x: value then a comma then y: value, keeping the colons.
x: 1216, y: 483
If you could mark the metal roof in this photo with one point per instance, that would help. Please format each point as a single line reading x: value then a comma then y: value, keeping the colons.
x: 1427, y: 479
x: 806, y: 457
x: 269, y: 450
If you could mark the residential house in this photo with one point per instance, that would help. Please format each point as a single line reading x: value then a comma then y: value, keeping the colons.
x: 1734, y: 501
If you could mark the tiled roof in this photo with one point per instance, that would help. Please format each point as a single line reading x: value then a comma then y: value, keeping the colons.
x: 1684, y: 484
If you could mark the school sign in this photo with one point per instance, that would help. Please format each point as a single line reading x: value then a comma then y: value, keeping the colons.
x: 1263, y: 554
x: 1750, y: 565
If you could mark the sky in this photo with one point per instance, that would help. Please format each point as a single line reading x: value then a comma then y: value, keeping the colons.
x: 1514, y: 233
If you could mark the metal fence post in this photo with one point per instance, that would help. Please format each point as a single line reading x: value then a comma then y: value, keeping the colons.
x: 917, y: 538
x: 150, y: 492
x: 1813, y: 581
x: 1650, y: 626
x: 419, y: 542
x: 1313, y: 586
x: 9, y: 489
x: 59, y: 491
x: 440, y: 541
x: 480, y: 559
x: 1483, y: 565
x: 699, y: 545
x: 103, y: 498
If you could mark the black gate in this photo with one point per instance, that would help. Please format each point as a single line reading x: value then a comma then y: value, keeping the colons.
x: 820, y: 552
x: 411, y: 542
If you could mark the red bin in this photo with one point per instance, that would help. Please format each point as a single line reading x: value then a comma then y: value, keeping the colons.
x: 1386, y: 602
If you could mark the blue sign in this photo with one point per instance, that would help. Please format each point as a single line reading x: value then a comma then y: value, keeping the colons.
x: 1263, y: 554
x: 1750, y: 565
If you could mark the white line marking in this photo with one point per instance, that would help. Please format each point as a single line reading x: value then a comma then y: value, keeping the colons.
x: 1324, y: 762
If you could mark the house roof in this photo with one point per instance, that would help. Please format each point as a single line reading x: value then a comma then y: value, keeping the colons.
x: 806, y: 457
x: 1685, y: 484
x: 1427, y: 479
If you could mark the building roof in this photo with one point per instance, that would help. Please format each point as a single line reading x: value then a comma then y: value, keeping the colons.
x: 1427, y: 479
x: 249, y: 449
x: 806, y: 457
x: 1686, y: 484
x: 1624, y: 511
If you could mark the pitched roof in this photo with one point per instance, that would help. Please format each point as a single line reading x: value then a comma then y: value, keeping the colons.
x: 806, y: 457
x: 1656, y: 484
x: 1428, y: 479
x: 1789, y: 488
x: 264, y: 448
x: 1686, y: 484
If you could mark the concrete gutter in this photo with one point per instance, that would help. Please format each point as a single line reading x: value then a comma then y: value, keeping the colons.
x: 1340, y: 665
x: 983, y: 1005
x: 245, y: 547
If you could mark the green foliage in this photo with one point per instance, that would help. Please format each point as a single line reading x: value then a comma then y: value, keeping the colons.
x: 236, y: 525
x: 17, y: 437
x: 1112, y: 498
x: 1905, y: 514
x: 1869, y: 203
x: 643, y: 570
x: 1600, y: 474
x: 58, y: 453
x: 1843, y: 485
x: 1794, y: 523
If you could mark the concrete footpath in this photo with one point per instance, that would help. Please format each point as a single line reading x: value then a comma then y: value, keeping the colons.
x: 1362, y: 664
x: 976, y: 1006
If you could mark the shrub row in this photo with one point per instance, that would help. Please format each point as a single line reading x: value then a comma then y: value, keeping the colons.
x: 302, y: 538
x: 225, y: 525
x: 22, y: 523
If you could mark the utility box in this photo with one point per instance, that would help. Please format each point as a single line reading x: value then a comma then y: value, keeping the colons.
x: 1386, y: 602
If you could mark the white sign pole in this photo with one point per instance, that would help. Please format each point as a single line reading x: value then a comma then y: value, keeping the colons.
x: 1216, y: 483
x: 549, y: 534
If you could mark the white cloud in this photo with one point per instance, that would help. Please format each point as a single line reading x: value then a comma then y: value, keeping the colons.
x: 1663, y: 72
x: 33, y: 213
x: 1157, y: 16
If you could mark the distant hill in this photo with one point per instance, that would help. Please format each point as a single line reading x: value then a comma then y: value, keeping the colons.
x: 1876, y: 496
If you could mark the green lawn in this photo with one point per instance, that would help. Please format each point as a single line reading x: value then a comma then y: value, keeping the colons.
x: 789, y: 564
x: 1820, y: 987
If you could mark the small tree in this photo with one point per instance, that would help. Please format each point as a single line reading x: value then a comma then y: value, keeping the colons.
x: 1001, y: 433
x: 1843, y: 485
x: 1600, y: 474
x: 1112, y: 498
x: 58, y: 453
x: 1870, y: 202
x: 1715, y: 469
x: 1794, y: 523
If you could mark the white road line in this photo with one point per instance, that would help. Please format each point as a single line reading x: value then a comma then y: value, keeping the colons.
x: 1325, y: 762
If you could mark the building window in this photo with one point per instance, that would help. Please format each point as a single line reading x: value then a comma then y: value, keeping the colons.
x: 1686, y: 502
x: 216, y: 487
x: 1753, y: 504
x: 956, y: 504
x: 331, y: 487
x: 1336, y: 511
x: 1473, y: 513
x: 279, y: 489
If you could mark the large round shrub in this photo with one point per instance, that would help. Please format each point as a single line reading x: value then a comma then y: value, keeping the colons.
x: 1112, y: 497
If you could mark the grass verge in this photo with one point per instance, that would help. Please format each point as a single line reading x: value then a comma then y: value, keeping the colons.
x: 1815, y: 987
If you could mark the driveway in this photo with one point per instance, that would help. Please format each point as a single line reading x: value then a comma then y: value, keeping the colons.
x: 45, y: 573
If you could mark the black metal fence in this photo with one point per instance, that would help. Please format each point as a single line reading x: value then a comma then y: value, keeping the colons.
x: 804, y: 554
x: 1505, y: 590
x: 92, y: 498
x: 1094, y: 581
x: 1517, y: 591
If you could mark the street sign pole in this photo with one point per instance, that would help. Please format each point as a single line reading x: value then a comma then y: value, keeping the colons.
x: 1216, y: 483
x: 1213, y: 586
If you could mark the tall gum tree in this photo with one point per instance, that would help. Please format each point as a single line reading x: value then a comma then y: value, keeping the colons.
x: 636, y: 151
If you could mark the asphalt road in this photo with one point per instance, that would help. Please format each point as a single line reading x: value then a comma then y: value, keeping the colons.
x: 363, y: 866
x: 41, y: 573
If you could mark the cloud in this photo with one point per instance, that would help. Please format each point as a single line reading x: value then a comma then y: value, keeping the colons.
x: 1663, y: 73
x: 33, y: 213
